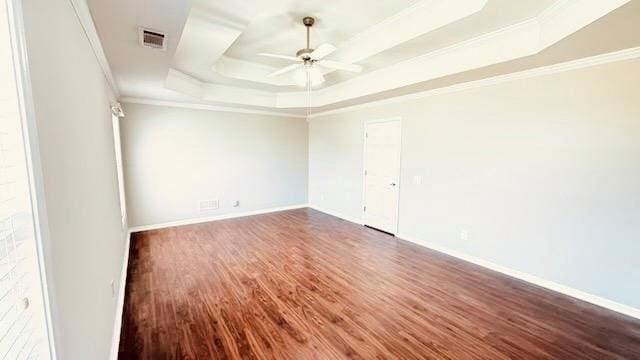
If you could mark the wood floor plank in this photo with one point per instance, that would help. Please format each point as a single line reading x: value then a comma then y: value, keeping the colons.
x: 302, y: 284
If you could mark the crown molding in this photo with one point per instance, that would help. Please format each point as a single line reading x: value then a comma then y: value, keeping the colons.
x: 86, y: 21
x: 186, y: 84
x: 418, y: 19
x: 522, y: 39
x: 505, y: 44
x: 195, y: 106
x: 622, y: 55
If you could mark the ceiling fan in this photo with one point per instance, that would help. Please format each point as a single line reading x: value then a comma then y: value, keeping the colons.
x: 307, y: 61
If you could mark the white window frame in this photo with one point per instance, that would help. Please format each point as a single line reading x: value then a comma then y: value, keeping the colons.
x: 32, y: 155
x: 116, y: 114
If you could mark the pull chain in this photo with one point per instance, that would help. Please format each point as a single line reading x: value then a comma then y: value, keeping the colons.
x: 308, y: 93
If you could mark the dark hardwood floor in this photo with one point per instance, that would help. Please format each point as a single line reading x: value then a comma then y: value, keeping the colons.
x: 301, y: 284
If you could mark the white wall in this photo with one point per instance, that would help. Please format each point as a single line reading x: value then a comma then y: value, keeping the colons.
x: 84, y: 251
x: 175, y: 157
x: 542, y: 173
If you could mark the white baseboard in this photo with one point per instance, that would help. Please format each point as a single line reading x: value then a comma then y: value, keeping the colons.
x: 117, y: 323
x: 566, y: 290
x: 336, y: 214
x: 212, y: 218
x: 563, y: 289
x: 117, y: 326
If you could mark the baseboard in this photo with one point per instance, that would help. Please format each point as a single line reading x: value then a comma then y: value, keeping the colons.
x: 212, y: 218
x: 117, y: 323
x: 566, y: 290
x: 336, y: 214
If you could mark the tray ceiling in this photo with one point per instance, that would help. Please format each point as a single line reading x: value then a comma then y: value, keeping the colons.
x: 212, y: 45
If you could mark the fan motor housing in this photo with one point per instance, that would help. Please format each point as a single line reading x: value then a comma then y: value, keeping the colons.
x: 304, y: 53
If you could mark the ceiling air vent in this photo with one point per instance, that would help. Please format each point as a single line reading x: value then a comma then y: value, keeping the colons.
x: 153, y: 39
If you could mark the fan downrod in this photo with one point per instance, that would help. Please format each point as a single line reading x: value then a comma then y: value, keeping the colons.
x: 308, y: 21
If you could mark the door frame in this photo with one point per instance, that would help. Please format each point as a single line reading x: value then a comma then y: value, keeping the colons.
x: 364, y: 168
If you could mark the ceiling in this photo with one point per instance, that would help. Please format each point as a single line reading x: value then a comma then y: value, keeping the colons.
x: 494, y: 15
x: 278, y: 27
x: 612, y: 33
x: 404, y: 46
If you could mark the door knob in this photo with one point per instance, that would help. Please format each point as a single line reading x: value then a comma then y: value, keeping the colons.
x: 393, y: 184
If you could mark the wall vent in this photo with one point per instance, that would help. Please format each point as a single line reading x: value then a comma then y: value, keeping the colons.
x: 152, y: 39
x: 204, y: 205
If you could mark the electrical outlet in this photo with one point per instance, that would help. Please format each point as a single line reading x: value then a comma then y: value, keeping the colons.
x: 464, y: 235
x: 417, y: 180
x: 235, y: 203
x: 205, y: 205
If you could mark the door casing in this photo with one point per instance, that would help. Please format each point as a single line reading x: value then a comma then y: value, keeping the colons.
x: 394, y: 230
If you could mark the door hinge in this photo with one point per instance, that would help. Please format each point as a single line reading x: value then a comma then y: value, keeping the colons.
x: 365, y: 172
x: 364, y: 209
x: 366, y: 135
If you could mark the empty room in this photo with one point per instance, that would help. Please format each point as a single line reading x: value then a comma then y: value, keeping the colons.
x: 298, y: 179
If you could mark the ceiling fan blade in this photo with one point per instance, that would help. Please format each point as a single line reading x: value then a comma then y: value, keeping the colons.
x: 285, y: 57
x: 340, y: 66
x: 322, y: 51
x: 284, y: 70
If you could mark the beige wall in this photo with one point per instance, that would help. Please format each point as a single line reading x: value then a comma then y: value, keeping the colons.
x: 85, y: 248
x: 176, y: 157
x: 542, y: 173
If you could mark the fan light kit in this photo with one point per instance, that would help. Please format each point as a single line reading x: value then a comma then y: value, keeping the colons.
x: 308, y: 61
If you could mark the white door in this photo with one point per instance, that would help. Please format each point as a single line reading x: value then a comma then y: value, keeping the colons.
x: 382, y: 175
